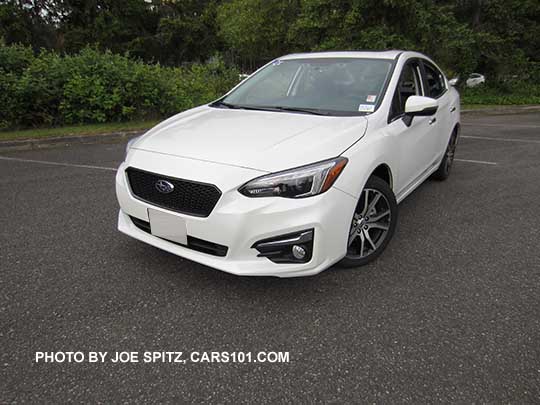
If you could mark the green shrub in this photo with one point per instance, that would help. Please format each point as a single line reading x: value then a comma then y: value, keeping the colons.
x: 94, y: 86
x: 502, y: 93
x: 40, y: 91
x: 15, y: 58
x: 9, y: 103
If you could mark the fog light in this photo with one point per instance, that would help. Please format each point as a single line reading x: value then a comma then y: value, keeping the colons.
x: 298, y: 252
x: 296, y: 247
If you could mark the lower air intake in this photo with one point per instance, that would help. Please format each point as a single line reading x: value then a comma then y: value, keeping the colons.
x: 193, y: 243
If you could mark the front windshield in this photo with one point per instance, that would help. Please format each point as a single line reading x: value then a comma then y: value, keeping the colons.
x: 337, y: 86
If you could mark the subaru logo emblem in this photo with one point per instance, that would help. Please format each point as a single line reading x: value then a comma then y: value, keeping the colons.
x: 164, y: 186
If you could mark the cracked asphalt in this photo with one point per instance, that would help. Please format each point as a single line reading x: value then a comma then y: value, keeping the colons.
x: 449, y: 313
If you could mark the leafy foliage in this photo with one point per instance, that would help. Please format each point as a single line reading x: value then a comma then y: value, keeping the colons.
x: 73, y: 61
x: 493, y: 37
x: 256, y: 30
x: 93, y: 86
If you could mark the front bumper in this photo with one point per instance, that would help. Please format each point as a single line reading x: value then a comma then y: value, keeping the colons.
x: 238, y: 222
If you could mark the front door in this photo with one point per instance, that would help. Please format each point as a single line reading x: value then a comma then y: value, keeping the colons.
x: 415, y: 143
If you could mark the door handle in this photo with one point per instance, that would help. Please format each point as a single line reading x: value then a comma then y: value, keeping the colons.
x: 452, y: 109
x: 432, y: 121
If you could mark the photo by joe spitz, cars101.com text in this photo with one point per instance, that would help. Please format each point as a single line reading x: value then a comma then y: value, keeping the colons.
x: 299, y: 167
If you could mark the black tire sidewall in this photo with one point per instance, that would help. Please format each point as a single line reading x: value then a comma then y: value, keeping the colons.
x: 442, y: 172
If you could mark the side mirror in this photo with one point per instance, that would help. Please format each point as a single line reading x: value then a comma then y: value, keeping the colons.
x: 419, y: 106
x: 453, y: 82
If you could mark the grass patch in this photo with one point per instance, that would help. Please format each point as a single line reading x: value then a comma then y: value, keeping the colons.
x: 91, y: 129
x: 478, y: 106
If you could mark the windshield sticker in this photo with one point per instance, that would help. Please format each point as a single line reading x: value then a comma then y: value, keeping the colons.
x: 366, y: 108
x: 277, y: 62
x: 371, y: 99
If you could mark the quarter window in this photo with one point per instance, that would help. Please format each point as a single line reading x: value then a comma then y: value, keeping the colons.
x: 435, y: 81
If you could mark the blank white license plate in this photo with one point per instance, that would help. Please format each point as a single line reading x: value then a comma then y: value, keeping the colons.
x: 167, y: 226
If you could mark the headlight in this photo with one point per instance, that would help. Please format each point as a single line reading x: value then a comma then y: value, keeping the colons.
x: 301, y: 182
x: 130, y: 142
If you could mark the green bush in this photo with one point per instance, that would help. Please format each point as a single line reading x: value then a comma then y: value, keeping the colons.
x: 93, y: 86
x: 15, y: 58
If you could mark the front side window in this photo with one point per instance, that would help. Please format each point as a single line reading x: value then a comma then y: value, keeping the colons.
x: 337, y: 86
x: 408, y: 85
x: 435, y: 81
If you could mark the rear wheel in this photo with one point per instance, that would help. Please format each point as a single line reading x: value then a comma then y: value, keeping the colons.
x: 443, y: 171
x: 373, y: 224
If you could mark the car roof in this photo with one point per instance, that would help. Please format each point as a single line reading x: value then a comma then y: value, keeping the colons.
x: 389, y: 54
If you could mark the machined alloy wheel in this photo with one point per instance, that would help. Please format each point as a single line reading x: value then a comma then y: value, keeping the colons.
x: 373, y: 223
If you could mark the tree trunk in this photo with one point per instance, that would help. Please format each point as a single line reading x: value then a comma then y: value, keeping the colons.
x: 476, y: 13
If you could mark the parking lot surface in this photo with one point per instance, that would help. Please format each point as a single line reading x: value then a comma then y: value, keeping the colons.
x: 449, y: 313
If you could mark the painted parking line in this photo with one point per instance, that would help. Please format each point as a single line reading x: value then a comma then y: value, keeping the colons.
x: 480, y: 162
x: 113, y: 169
x: 45, y: 162
x: 487, y: 138
x: 498, y: 125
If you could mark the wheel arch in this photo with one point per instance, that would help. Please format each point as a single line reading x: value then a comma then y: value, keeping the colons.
x: 361, y: 170
x: 384, y: 172
x: 456, y: 129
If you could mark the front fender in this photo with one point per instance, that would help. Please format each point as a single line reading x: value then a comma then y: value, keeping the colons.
x: 364, y: 157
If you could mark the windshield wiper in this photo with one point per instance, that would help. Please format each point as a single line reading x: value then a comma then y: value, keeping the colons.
x: 269, y: 108
x: 242, y: 107
x: 313, y: 111
x: 224, y: 104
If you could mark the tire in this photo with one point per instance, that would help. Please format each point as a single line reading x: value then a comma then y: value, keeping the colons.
x: 443, y: 172
x: 380, y: 228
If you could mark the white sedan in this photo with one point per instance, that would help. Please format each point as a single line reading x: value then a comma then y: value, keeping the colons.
x: 475, y: 79
x: 299, y: 167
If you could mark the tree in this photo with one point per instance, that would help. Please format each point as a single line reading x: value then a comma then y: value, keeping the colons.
x: 187, y: 31
x: 108, y: 24
x: 30, y: 22
x: 256, y: 30
x: 500, y: 38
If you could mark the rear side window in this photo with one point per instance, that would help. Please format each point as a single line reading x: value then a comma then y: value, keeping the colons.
x: 435, y: 80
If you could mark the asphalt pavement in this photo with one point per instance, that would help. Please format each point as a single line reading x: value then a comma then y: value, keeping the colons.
x: 449, y: 313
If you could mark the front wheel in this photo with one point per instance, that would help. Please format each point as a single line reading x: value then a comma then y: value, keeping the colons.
x: 373, y: 224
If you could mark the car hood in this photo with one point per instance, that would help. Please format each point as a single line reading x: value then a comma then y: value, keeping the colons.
x: 261, y: 140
